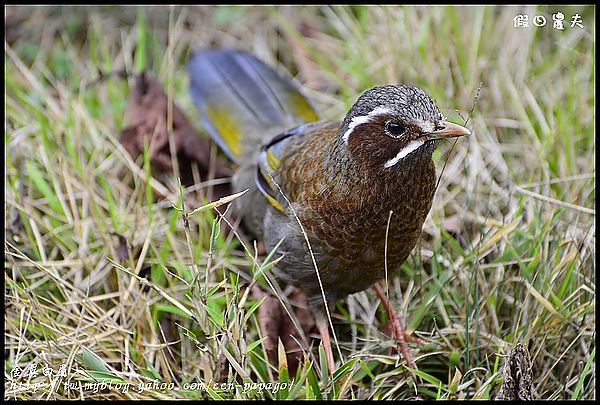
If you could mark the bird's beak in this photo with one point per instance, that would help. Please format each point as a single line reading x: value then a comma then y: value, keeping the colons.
x: 447, y: 130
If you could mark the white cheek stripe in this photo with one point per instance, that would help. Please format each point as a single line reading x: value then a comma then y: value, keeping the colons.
x: 411, y: 147
x: 363, y: 119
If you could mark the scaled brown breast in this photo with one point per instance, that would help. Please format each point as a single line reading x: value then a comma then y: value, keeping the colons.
x: 347, y: 228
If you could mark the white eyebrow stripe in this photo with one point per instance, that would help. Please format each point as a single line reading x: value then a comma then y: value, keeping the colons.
x: 411, y: 147
x: 426, y: 126
x: 356, y: 121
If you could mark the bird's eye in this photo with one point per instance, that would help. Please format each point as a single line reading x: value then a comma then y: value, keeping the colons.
x: 394, y: 129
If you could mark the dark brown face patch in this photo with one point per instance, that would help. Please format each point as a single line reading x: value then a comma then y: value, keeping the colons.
x: 371, y: 146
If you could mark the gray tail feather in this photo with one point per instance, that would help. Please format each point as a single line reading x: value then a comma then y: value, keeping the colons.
x: 242, y: 101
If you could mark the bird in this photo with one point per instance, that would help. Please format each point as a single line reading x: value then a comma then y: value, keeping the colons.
x: 342, y: 202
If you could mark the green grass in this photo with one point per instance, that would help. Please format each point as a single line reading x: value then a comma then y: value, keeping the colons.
x: 101, y: 275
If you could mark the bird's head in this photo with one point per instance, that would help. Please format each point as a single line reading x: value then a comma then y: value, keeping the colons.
x: 395, y: 126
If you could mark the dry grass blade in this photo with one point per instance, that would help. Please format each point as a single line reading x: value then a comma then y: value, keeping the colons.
x: 101, y: 273
x: 218, y: 203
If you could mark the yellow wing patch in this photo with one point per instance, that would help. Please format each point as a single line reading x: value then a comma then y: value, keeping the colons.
x: 301, y: 107
x: 228, y: 130
x: 265, y: 186
x: 272, y: 159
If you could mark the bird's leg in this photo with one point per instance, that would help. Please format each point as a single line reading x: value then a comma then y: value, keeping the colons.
x: 397, y: 329
x: 323, y: 327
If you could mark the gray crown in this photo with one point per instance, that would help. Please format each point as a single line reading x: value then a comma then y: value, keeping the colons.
x: 407, y: 101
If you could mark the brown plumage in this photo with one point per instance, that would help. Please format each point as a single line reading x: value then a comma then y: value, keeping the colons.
x: 345, y: 211
x: 334, y: 184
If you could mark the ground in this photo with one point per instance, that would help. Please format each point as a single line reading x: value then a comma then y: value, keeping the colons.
x: 106, y: 286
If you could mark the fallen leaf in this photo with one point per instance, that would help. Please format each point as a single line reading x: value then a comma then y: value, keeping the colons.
x: 146, y: 115
x: 275, y: 325
x: 13, y: 21
x: 289, y: 335
x: 122, y: 251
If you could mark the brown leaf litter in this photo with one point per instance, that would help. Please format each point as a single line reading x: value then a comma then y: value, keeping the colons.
x: 147, y: 115
x: 276, y: 324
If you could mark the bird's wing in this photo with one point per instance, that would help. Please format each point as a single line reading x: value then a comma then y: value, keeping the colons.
x: 242, y: 101
x: 269, y: 161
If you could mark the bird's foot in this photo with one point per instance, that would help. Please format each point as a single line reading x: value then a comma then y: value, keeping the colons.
x: 323, y: 327
x: 396, y: 327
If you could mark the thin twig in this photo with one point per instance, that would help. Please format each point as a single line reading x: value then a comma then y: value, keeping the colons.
x: 466, y: 121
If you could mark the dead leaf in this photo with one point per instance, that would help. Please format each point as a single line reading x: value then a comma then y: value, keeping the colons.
x: 122, y: 252
x: 13, y: 20
x: 146, y: 116
x: 275, y: 325
x: 288, y: 331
